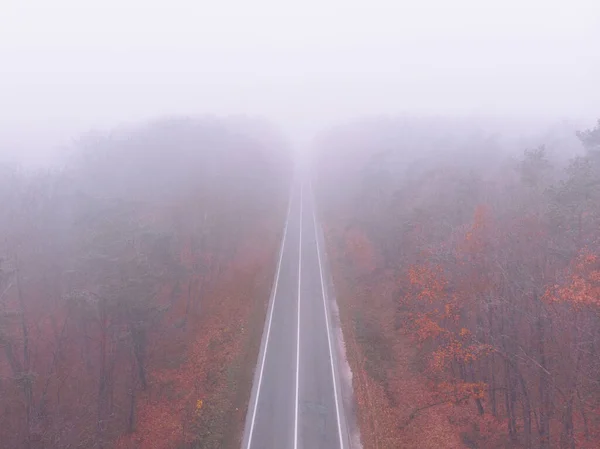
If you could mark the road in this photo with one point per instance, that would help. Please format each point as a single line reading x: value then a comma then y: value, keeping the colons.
x: 296, y: 400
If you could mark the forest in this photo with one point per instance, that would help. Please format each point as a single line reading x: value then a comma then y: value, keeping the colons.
x: 467, y: 270
x: 321, y: 224
x: 134, y: 283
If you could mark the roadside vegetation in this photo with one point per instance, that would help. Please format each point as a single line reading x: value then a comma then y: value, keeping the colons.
x: 467, y: 269
x: 134, y: 284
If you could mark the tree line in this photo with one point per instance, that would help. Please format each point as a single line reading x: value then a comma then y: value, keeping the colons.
x: 494, y: 263
x: 109, y: 267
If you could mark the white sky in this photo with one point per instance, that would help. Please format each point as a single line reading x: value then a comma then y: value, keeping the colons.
x: 68, y: 65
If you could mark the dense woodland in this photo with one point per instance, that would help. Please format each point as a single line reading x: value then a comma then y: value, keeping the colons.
x: 120, y: 323
x: 467, y: 269
x: 466, y: 262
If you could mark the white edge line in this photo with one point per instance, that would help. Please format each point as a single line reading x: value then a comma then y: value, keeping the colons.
x: 298, y: 331
x: 272, y: 305
x: 337, y: 407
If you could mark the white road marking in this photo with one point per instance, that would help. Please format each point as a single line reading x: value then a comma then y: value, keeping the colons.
x: 337, y: 407
x: 298, y: 333
x: 264, y: 355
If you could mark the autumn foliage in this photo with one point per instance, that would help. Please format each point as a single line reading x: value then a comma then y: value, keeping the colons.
x: 133, y: 287
x: 478, y: 322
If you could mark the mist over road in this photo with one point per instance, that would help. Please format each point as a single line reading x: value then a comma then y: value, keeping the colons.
x: 296, y: 398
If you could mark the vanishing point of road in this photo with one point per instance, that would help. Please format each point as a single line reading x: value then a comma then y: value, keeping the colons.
x: 296, y: 400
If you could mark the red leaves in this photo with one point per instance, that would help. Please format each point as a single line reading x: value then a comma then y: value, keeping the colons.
x: 427, y: 328
x: 459, y: 392
x: 477, y: 237
x: 427, y: 282
x: 583, y: 283
x: 454, y: 350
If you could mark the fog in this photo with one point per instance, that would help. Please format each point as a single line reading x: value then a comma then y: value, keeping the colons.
x: 69, y: 66
x: 428, y: 172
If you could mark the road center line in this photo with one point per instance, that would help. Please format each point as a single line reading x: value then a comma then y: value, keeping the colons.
x: 272, y: 305
x: 337, y: 407
x: 298, y: 332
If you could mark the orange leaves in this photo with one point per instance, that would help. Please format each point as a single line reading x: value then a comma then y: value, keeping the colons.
x: 428, y: 282
x: 458, y: 392
x: 477, y: 236
x: 481, y: 217
x: 458, y: 351
x: 441, y: 325
x: 452, y: 311
x: 426, y: 328
x: 583, y: 284
x: 449, y: 345
x: 189, y: 396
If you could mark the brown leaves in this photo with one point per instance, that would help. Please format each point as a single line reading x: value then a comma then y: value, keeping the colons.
x: 460, y: 392
x: 427, y: 282
x: 457, y: 351
x: 427, y: 328
x: 478, y: 235
x: 583, y: 283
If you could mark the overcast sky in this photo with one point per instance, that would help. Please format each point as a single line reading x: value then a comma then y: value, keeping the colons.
x: 70, y: 65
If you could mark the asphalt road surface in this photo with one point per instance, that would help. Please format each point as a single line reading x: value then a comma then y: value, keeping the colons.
x: 296, y: 397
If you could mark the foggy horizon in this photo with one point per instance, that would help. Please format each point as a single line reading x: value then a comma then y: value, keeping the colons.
x: 70, y: 68
x: 346, y: 224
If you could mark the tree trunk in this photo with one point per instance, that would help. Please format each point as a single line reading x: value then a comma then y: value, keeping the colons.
x: 139, y: 351
x: 102, y: 378
x: 26, y: 379
x: 526, y: 413
x: 586, y: 428
x: 510, y: 397
x: 567, y: 437
x: 492, y: 386
x: 543, y: 390
x: 131, y: 420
